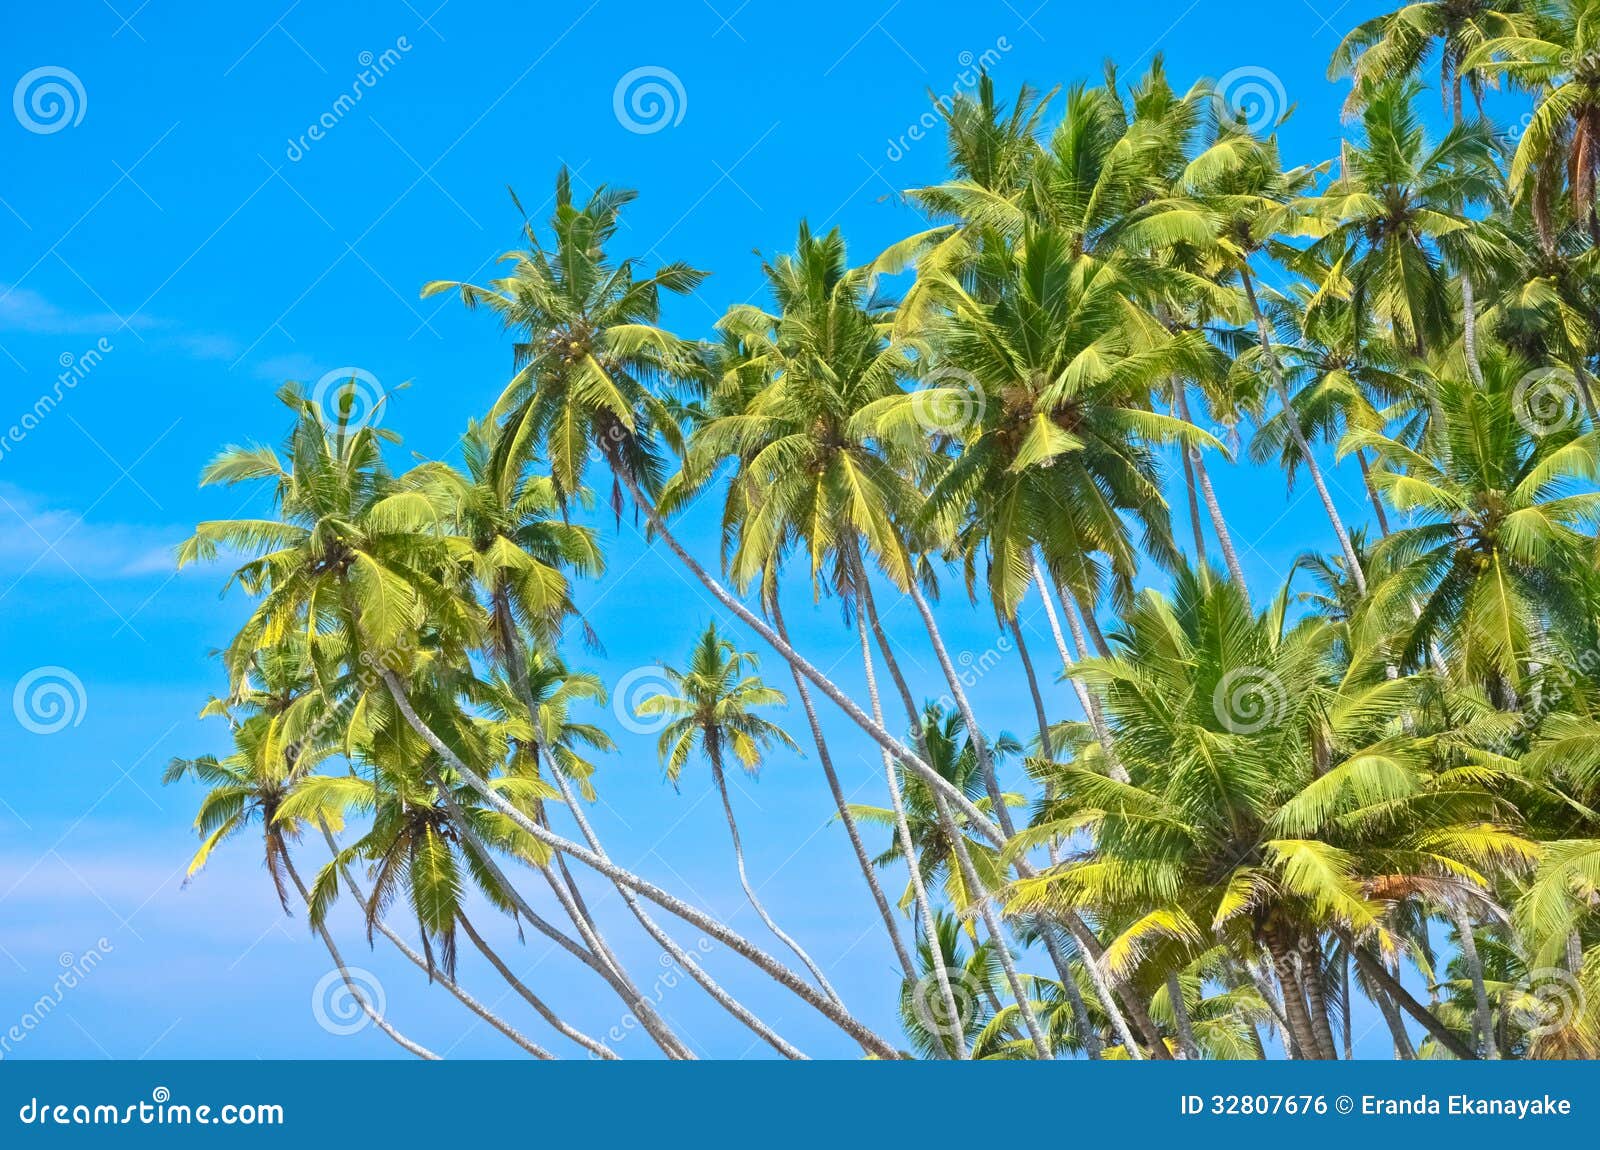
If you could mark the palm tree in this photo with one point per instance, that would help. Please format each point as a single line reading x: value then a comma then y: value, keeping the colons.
x: 1396, y: 44
x: 712, y: 709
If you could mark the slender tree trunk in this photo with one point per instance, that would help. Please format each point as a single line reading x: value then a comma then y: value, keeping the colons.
x: 1372, y: 493
x: 980, y: 743
x: 1344, y: 1013
x: 514, y: 657
x: 744, y: 879
x: 433, y: 972
x: 1181, y: 1021
x: 1213, y: 508
x: 618, y: 981
x: 908, y: 849
x: 980, y: 896
x: 1403, y: 1050
x: 839, y: 801
x: 626, y: 889
x: 592, y: 1045
x: 1482, y: 1022
x: 1282, y: 391
x: 1092, y: 624
x: 1469, y: 331
x: 829, y: 689
x: 1194, y: 503
x: 344, y: 973
x: 1091, y: 707
x: 1033, y: 688
x: 1376, y: 972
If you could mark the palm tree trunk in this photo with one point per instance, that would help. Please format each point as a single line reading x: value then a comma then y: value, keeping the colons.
x: 1482, y: 1022
x: 1213, y: 508
x: 344, y: 973
x: 1033, y: 688
x: 908, y: 849
x: 1372, y: 493
x: 1375, y: 971
x: 592, y: 1045
x: 433, y: 972
x: 1344, y: 1013
x: 798, y: 661
x: 744, y: 879
x: 991, y: 781
x: 1282, y: 391
x: 594, y: 960
x: 1101, y: 647
x: 848, y: 819
x: 1294, y: 999
x: 1194, y: 504
x: 1317, y: 1001
x: 695, y: 971
x: 1469, y: 330
x: 1180, y: 1016
x: 980, y: 896
x: 1091, y: 707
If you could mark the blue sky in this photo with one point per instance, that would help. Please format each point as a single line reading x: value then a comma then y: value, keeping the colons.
x: 184, y: 233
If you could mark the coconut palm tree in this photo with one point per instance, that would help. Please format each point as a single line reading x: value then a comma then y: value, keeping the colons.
x: 711, y: 709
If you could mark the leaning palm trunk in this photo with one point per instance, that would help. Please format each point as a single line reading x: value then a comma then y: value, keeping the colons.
x: 1069, y: 659
x: 852, y: 831
x: 1372, y: 493
x: 1375, y: 971
x: 981, y: 897
x: 1196, y: 461
x: 592, y: 1045
x: 663, y: 1037
x: 344, y: 974
x: 744, y: 879
x: 1469, y: 330
x: 625, y: 878
x: 891, y: 745
x: 1317, y: 1002
x: 908, y: 850
x: 991, y: 782
x: 695, y: 971
x: 1482, y: 1020
x: 958, y: 841
x: 1312, y: 466
x: 432, y: 970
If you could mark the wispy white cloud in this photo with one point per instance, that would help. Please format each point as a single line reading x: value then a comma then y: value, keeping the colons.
x: 42, y: 538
